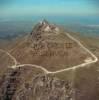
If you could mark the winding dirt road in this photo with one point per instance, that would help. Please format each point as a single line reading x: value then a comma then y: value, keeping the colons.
x: 13, y: 58
x: 67, y: 69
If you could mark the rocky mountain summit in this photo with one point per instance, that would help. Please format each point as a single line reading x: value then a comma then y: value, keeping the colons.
x: 44, y: 37
x: 45, y: 26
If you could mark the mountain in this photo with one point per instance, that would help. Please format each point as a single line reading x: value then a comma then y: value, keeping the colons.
x: 54, y: 50
x: 46, y: 45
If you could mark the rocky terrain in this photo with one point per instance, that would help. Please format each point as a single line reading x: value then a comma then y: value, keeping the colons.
x: 15, y: 86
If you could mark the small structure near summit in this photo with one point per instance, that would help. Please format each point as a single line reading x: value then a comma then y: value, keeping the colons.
x: 45, y: 26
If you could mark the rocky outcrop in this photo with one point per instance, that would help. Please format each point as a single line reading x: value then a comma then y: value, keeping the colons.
x: 45, y: 26
x: 44, y: 87
x: 9, y: 83
x: 17, y: 85
x: 42, y: 34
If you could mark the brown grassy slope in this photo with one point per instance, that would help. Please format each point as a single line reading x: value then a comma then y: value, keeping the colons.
x: 60, y: 58
x: 5, y: 62
x: 85, y: 80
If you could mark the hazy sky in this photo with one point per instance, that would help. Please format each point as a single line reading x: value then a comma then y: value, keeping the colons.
x: 11, y: 8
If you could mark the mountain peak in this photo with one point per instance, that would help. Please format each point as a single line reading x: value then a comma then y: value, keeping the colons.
x: 44, y: 22
x: 45, y: 26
